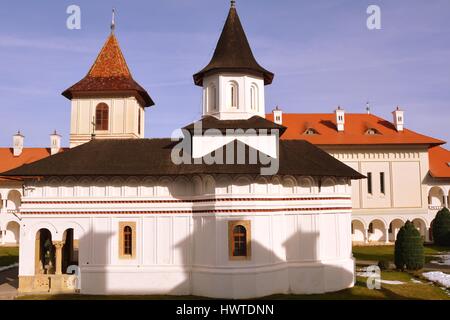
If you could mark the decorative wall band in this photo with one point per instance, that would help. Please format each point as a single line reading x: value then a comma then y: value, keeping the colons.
x: 189, y: 211
x: 183, y: 201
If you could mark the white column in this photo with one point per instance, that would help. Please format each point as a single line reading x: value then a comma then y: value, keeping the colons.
x: 3, y: 232
x: 366, y: 236
x: 58, y: 246
x: 427, y: 234
x: 387, y: 235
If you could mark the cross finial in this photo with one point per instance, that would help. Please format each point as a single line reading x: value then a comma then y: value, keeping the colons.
x: 113, y: 21
x: 233, y: 3
x: 93, y: 128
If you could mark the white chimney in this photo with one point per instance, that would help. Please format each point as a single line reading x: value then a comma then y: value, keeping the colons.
x: 55, y: 143
x: 368, y: 108
x: 399, y: 119
x: 18, y: 144
x: 340, y: 119
x: 278, y: 116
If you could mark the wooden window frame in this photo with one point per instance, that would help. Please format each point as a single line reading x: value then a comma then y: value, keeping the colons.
x: 247, y: 225
x: 122, y: 226
x: 104, y: 119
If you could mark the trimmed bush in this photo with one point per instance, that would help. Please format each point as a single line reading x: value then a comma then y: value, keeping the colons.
x: 441, y: 228
x: 409, y: 253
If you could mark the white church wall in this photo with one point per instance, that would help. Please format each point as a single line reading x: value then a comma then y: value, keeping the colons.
x: 187, y: 252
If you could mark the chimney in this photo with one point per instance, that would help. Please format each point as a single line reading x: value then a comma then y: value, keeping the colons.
x: 340, y: 119
x: 55, y: 143
x: 278, y: 116
x: 368, y: 108
x: 399, y: 119
x: 18, y: 144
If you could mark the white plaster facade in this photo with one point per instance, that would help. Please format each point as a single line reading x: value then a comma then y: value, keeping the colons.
x: 125, y: 113
x: 10, y: 202
x: 232, y: 96
x: 300, y: 239
x: 409, y: 192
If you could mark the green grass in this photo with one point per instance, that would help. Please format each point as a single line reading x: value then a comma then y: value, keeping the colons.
x: 8, y: 256
x: 377, y: 253
x: 406, y: 291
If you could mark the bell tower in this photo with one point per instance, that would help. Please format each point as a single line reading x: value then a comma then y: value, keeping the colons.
x: 233, y: 81
x: 107, y: 103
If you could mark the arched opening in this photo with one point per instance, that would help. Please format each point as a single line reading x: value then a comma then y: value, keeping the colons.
x: 1, y: 201
x: 358, y: 232
x: 70, y: 250
x: 254, y: 98
x: 421, y: 227
x: 377, y: 231
x: 45, y: 257
x: 394, y: 228
x: 12, y: 235
x: 232, y: 95
x: 211, y: 98
x: 436, y: 198
x: 102, y: 117
x: 239, y: 241
x: 14, y: 200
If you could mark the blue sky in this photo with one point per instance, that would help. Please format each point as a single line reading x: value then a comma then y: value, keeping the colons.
x: 321, y: 52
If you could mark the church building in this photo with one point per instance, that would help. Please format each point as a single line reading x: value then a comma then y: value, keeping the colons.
x: 230, y: 210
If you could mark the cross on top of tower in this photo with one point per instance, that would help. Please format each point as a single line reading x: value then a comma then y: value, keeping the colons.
x: 113, y: 20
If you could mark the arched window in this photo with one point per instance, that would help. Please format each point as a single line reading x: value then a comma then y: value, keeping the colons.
x: 211, y: 97
x: 239, y: 241
x: 233, y: 95
x: 102, y: 117
x: 127, y: 241
x: 254, y: 103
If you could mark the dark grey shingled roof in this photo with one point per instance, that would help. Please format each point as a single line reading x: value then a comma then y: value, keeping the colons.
x: 255, y: 122
x: 138, y: 157
x: 233, y: 53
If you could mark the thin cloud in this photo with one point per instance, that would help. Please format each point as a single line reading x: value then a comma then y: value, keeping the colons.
x: 60, y: 44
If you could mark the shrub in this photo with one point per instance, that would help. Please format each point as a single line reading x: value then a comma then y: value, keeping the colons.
x: 384, y: 264
x: 441, y: 228
x: 409, y: 253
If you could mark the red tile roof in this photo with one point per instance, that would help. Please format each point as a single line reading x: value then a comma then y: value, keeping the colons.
x: 8, y: 161
x: 109, y: 73
x: 439, y: 162
x: 356, y: 127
